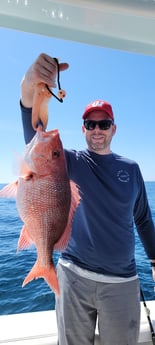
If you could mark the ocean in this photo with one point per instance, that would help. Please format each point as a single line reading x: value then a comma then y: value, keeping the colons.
x: 14, y: 266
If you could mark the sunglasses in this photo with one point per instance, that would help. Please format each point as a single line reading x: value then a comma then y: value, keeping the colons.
x: 103, y: 124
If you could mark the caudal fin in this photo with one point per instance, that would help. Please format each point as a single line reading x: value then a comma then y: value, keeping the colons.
x: 48, y: 274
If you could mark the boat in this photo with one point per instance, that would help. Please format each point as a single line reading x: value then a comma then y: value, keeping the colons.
x: 117, y: 24
x: 124, y: 25
x: 39, y: 328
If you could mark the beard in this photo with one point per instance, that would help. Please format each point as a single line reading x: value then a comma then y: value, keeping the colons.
x: 99, y: 146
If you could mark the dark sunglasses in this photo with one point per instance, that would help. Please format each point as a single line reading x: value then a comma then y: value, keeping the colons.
x: 103, y: 124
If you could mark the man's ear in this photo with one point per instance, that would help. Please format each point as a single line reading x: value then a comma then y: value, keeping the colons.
x: 114, y: 128
x: 83, y: 129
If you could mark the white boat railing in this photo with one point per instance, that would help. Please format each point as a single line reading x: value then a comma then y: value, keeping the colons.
x: 39, y: 328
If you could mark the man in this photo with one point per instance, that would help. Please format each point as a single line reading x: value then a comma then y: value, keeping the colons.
x: 97, y: 271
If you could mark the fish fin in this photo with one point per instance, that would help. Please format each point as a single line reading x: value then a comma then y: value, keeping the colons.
x: 48, y: 273
x: 9, y: 191
x: 75, y: 200
x: 24, y: 240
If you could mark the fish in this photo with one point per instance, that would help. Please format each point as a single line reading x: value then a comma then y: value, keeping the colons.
x: 46, y: 201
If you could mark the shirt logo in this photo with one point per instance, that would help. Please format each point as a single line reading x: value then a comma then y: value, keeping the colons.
x: 123, y: 176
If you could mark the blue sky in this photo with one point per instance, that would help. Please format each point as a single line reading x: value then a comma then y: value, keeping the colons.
x: 127, y: 80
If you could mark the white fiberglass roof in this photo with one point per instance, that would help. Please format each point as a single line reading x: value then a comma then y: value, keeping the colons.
x: 118, y: 24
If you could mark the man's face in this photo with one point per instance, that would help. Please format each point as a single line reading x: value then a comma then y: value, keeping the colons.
x: 99, y: 140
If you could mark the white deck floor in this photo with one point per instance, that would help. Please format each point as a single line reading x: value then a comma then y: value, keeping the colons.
x: 39, y: 328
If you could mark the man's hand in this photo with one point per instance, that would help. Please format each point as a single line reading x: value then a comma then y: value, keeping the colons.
x: 153, y: 270
x: 44, y: 70
x: 153, y: 275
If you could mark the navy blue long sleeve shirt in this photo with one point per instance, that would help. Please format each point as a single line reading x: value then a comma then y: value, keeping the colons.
x: 113, y: 200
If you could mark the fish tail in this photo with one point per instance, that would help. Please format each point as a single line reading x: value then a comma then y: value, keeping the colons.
x: 48, y: 274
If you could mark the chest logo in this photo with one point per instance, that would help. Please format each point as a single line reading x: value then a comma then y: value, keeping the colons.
x: 123, y: 176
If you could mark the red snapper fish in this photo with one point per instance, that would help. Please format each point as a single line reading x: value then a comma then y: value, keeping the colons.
x: 46, y: 201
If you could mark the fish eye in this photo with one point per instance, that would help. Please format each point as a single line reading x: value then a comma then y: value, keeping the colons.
x: 29, y: 177
x: 56, y: 154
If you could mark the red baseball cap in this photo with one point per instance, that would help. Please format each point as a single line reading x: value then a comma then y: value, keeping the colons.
x: 98, y: 105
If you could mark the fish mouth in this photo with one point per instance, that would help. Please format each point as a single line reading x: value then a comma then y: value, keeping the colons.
x: 50, y: 134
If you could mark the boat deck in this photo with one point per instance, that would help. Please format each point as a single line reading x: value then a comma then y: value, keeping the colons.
x: 39, y: 328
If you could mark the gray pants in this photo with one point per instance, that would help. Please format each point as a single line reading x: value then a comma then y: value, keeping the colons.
x: 82, y: 301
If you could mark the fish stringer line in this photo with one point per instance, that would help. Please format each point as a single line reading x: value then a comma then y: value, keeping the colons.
x: 61, y: 92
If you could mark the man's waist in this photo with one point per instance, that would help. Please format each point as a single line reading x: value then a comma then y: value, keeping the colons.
x: 99, y: 277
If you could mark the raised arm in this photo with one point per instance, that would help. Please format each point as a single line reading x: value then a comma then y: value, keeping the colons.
x: 43, y: 70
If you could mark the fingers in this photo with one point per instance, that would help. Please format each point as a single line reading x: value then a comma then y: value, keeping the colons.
x: 63, y: 66
x: 153, y: 273
x: 45, y: 70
